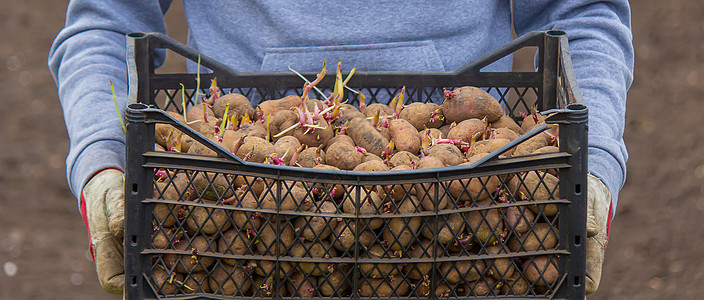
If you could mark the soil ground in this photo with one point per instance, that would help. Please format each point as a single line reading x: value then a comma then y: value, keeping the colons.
x: 657, y: 239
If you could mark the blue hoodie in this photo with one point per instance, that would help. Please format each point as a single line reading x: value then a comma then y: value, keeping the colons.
x: 270, y: 35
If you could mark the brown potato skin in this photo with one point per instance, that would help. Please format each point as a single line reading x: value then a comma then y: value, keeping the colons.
x: 546, y: 189
x: 245, y: 220
x: 259, y: 290
x: 195, y: 112
x: 162, y: 130
x: 507, y: 122
x: 469, y: 102
x: 484, y: 287
x: 458, y: 290
x: 462, y: 270
x: 158, y: 147
x: 340, y: 138
x: 383, y: 110
x: 310, y: 157
x: 184, y: 263
x: 529, y: 122
x: 161, y: 281
x: 385, y: 132
x: 212, y: 186
x: 281, y: 120
x: 270, y: 107
x: 371, y: 165
x: 404, y: 135
x: 334, y: 284
x: 371, y: 157
x: 165, y: 213
x: 418, y: 115
x: 266, y: 237
x: 366, y: 136
x: 383, y: 288
x: 267, y: 268
x: 200, y: 149
x: 403, y: 158
x: 347, y: 113
x: 378, y: 270
x: 540, y: 238
x: 317, y: 228
x: 222, y: 283
x: 260, y: 147
x: 546, y: 149
x: 301, y: 286
x: 501, y: 267
x: 286, y: 145
x: 516, y: 285
x: 488, y: 146
x: 343, y: 156
x: 315, y: 137
x: 530, y: 145
x: 313, y: 250
x: 400, y: 232
x: 198, y: 218
x: 234, y: 242
x: 418, y: 271
x: 422, y: 288
x: 239, y: 104
x: 541, y: 265
x: 186, y: 143
x: 426, y: 198
x: 445, y: 129
x: 397, y: 192
x: 336, y: 190
x: 518, y: 219
x: 344, y: 238
x: 294, y: 198
x: 370, y: 203
x: 449, y: 154
x: 488, y: 229
x: 466, y: 129
x: 160, y: 239
x: 231, y: 137
x: 450, y: 227
x: 256, y: 129
x: 198, y: 282
x: 473, y: 188
x: 504, y: 133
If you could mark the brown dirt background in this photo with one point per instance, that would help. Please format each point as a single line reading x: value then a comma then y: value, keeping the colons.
x: 657, y: 239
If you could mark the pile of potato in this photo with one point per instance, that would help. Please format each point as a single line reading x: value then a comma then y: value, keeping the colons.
x: 336, y: 239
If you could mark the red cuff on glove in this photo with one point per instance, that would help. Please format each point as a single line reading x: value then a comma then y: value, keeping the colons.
x: 608, y: 221
x: 84, y: 216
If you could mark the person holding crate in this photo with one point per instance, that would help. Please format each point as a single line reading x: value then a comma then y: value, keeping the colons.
x: 269, y: 35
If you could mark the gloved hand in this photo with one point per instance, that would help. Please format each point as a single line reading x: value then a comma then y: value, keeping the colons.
x: 104, y: 202
x: 598, y: 216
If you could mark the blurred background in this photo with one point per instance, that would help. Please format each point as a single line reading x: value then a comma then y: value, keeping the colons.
x: 657, y: 239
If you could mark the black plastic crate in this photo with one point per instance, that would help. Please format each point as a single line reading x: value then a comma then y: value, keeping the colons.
x: 220, y: 244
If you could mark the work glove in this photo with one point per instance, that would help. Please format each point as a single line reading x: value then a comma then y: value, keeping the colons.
x: 104, y: 202
x: 598, y: 221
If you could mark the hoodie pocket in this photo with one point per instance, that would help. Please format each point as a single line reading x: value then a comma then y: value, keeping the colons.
x: 396, y: 56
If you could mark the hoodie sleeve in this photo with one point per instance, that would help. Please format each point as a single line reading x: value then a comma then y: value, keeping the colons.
x: 601, y: 46
x: 88, y: 54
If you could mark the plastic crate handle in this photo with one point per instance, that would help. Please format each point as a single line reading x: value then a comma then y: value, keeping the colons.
x: 139, y: 112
